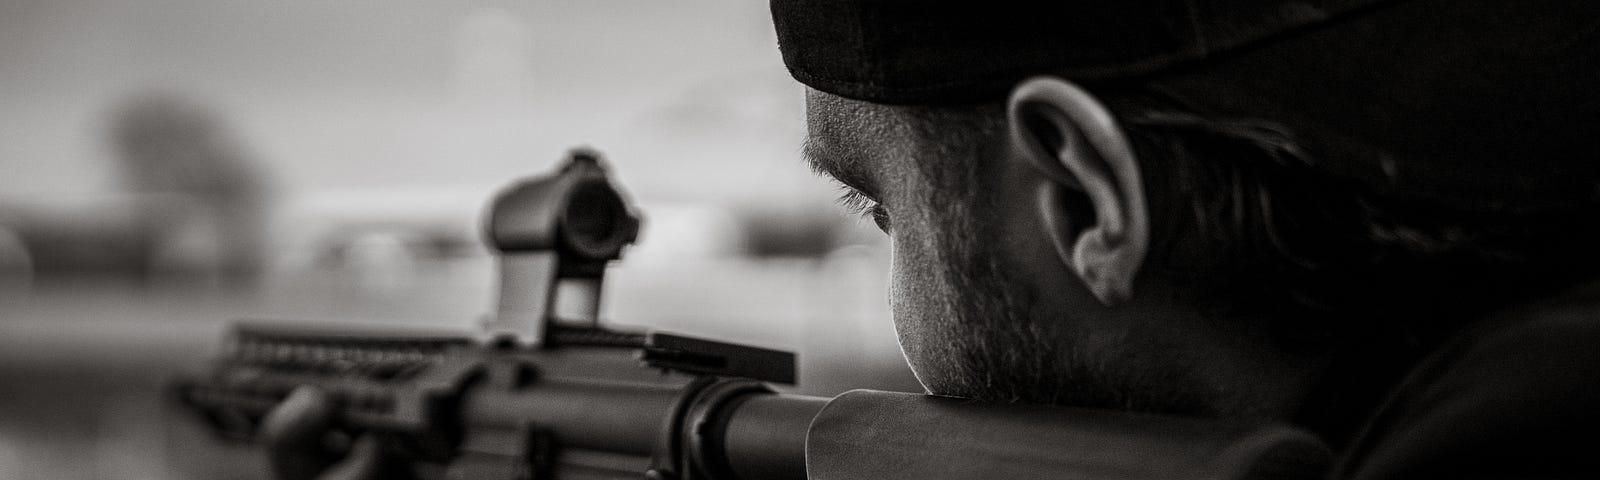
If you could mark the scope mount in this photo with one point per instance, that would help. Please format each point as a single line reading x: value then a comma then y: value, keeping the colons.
x: 553, y: 236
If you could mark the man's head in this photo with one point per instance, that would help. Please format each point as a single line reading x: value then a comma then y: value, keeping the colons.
x: 1049, y: 249
x: 1018, y: 247
x: 1168, y: 243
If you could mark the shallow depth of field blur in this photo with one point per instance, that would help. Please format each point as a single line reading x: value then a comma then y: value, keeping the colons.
x: 166, y: 166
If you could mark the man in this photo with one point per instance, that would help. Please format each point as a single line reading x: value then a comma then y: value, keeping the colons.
x: 1372, y: 219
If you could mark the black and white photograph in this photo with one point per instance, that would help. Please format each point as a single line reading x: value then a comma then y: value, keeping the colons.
x: 799, y: 239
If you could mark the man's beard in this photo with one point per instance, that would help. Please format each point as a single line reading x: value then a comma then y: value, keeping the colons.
x: 995, y: 343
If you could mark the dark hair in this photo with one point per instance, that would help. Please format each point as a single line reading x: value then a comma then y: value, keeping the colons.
x: 1276, y: 235
x: 1330, y: 266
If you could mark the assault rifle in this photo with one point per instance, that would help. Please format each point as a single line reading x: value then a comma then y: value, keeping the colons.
x: 548, y: 392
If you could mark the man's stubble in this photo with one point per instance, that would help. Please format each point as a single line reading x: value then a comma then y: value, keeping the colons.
x: 973, y: 326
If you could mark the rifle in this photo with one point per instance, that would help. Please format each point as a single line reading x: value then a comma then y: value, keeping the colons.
x: 546, y: 391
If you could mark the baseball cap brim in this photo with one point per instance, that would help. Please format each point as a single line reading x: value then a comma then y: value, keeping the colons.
x: 1480, y: 105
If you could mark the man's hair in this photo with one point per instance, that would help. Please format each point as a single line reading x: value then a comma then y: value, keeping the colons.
x: 1284, y: 237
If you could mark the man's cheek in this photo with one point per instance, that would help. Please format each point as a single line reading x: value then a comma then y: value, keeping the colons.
x: 901, y: 308
x: 914, y: 307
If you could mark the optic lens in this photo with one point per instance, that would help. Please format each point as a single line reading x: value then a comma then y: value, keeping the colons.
x: 593, y: 219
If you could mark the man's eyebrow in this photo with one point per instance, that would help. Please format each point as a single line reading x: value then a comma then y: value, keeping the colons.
x: 843, y: 168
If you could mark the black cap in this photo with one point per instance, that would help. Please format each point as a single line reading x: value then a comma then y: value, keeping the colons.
x: 1483, y: 105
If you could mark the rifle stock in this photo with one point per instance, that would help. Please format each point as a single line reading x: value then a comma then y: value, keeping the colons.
x: 889, y: 436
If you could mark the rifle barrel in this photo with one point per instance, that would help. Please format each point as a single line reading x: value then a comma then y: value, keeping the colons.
x: 766, y: 435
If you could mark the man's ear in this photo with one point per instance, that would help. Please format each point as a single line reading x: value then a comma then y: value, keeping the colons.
x: 1091, y: 172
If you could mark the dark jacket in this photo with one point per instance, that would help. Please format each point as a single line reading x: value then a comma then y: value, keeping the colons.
x: 1516, y: 397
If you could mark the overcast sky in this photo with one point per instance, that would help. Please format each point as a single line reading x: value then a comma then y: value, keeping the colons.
x: 689, y: 98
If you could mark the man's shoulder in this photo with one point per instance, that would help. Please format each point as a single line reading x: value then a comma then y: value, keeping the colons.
x: 1518, y: 397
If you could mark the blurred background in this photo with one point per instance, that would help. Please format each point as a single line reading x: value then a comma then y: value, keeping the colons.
x: 166, y: 166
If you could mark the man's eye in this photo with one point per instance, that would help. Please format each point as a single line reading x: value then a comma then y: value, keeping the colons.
x: 866, y: 207
x: 880, y: 217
